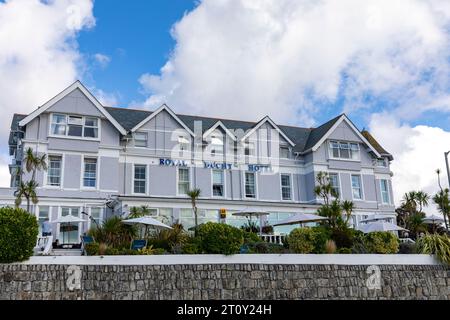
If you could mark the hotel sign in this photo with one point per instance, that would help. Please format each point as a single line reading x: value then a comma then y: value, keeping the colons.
x: 217, y: 165
x: 172, y: 163
x: 259, y: 167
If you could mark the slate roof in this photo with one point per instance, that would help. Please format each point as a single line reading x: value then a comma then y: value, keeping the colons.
x: 303, y: 138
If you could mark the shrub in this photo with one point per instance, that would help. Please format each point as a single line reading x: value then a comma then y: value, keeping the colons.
x: 435, y: 244
x: 112, y: 252
x: 92, y: 248
x: 381, y: 242
x: 250, y: 237
x: 250, y: 226
x: 147, y: 251
x: 191, y: 248
x: 102, y: 247
x: 344, y: 251
x: 220, y: 238
x: 114, y: 233
x: 407, y: 248
x: 330, y: 246
x: 267, y: 229
x: 169, y: 239
x: 344, y: 238
x: 18, y: 235
x: 308, y: 240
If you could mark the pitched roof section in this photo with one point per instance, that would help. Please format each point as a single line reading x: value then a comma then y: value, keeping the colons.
x: 317, y: 133
x: 376, y: 145
x: 128, y: 118
x: 65, y: 92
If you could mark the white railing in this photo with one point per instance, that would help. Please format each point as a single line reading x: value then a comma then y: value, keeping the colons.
x: 273, y: 238
x: 44, y: 245
x: 406, y: 240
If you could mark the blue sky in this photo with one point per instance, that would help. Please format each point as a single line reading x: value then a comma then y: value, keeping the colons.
x: 136, y: 36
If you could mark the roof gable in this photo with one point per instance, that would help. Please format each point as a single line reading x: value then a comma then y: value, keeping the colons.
x: 221, y: 125
x: 265, y: 120
x: 164, y: 107
x: 76, y: 85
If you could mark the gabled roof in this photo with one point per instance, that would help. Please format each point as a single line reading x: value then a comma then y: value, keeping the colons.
x: 320, y: 134
x: 273, y: 124
x: 164, y: 107
x: 65, y: 92
x: 221, y: 125
x: 376, y: 145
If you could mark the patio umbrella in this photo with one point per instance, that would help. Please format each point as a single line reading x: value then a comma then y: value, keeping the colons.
x: 380, y: 226
x: 69, y: 219
x: 433, y: 219
x: 252, y: 212
x: 147, y: 221
x: 376, y: 217
x: 300, y: 218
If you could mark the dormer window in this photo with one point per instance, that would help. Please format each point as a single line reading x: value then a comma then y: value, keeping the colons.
x: 140, y: 139
x: 183, y: 142
x: 381, y: 163
x: 284, y: 152
x: 344, y: 150
x: 249, y: 149
x: 216, y: 145
x: 74, y: 126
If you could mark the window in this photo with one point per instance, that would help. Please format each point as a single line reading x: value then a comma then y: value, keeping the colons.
x: 384, y: 191
x: 381, y: 163
x: 74, y: 126
x: 284, y: 152
x: 249, y: 149
x: 216, y: 145
x: 344, y: 150
x: 54, y: 171
x: 140, y: 139
x: 183, y: 180
x: 356, y: 187
x: 250, y: 187
x: 286, y: 187
x: 218, y: 183
x: 334, y: 181
x: 90, y: 173
x: 69, y: 233
x: 96, y: 215
x: 140, y: 178
x: 43, y: 215
x: 183, y: 142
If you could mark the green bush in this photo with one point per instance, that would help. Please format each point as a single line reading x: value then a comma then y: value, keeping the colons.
x: 265, y: 247
x: 344, y: 238
x: 169, y: 239
x: 92, y: 248
x: 435, y: 244
x: 220, y: 238
x: 381, y: 242
x: 191, y: 248
x: 407, y: 248
x: 344, y: 251
x: 308, y: 240
x: 251, y: 237
x: 18, y: 235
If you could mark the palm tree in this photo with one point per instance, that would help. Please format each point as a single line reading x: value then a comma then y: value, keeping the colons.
x: 28, y: 191
x: 441, y: 199
x: 194, y: 194
x: 348, y: 207
x: 34, y: 162
x: 409, y: 201
x: 422, y: 199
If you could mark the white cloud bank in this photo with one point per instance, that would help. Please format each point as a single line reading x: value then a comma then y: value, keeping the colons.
x: 294, y: 59
x: 38, y: 56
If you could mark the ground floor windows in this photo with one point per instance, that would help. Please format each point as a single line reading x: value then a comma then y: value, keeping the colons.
x: 187, y: 218
x: 286, y: 192
x: 69, y: 232
x: 43, y: 215
x: 183, y: 181
x: 218, y: 183
x: 250, y: 185
x: 140, y: 179
x: 96, y: 217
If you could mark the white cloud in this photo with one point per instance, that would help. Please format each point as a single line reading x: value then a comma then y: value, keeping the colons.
x: 418, y: 151
x: 39, y: 55
x: 251, y: 58
x: 102, y: 59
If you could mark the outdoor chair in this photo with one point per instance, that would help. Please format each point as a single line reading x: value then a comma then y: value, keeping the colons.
x: 138, y: 244
x: 84, y: 241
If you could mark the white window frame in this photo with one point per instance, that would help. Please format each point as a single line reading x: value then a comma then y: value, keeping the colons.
x: 83, y: 171
x: 217, y: 144
x: 288, y: 151
x: 223, y: 183
x: 251, y: 146
x: 339, y: 187
x: 256, y: 185
x: 133, y: 190
x: 361, y: 186
x: 290, y: 186
x: 46, y: 176
x: 83, y: 120
x: 80, y: 224
x: 145, y: 134
x: 349, y: 144
x: 385, y: 165
x: 387, y: 191
x: 178, y: 180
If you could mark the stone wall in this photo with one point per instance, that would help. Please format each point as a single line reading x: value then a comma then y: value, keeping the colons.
x: 223, y: 281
